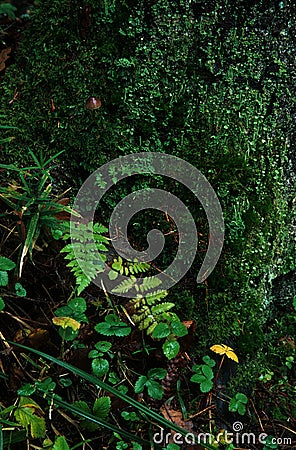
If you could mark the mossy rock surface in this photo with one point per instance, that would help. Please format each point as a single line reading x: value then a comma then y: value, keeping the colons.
x: 200, y: 82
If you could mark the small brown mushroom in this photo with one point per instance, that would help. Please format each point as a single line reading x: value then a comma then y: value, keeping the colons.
x: 93, y: 103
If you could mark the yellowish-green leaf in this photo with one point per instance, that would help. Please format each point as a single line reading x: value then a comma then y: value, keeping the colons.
x: 60, y: 444
x: 66, y: 322
x: 29, y: 415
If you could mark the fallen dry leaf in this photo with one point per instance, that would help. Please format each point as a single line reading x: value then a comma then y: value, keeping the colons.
x: 4, y: 55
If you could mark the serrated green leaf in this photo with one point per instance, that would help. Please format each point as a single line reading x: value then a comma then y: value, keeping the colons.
x: 233, y: 405
x: 198, y: 378
x: 171, y: 348
x: 28, y: 415
x: 80, y: 404
x: 178, y: 328
x: 206, y: 386
x: 100, y: 366
x: 2, y: 304
x: 207, y: 371
x: 161, y: 330
x: 77, y: 304
x: 241, y: 409
x: 26, y: 389
x: 93, y: 354
x: 6, y: 263
x: 241, y: 397
x: 20, y: 290
x: 113, y: 327
x: 197, y: 368
x: 3, y: 278
x: 45, y: 385
x: 157, y: 373
x: 102, y: 407
x: 60, y: 443
x: 63, y: 311
x: 209, y: 361
x: 103, y: 346
x: 155, y: 389
x: 140, y: 384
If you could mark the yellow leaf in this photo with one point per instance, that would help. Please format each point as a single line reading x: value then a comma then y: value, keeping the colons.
x: 65, y: 322
x: 223, y: 349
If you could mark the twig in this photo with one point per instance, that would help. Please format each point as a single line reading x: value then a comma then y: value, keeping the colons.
x: 257, y: 415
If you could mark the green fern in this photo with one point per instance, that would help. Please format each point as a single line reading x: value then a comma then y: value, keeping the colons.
x: 151, y: 310
x: 86, y: 260
x: 127, y: 268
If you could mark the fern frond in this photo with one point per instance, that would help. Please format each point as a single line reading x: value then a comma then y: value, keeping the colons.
x: 161, y: 308
x: 125, y: 286
x: 149, y: 283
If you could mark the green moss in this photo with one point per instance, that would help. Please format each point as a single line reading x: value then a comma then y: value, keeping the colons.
x: 169, y: 83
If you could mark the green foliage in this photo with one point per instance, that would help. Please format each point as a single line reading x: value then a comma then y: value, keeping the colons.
x: 127, y: 268
x: 155, y: 390
x: 31, y: 202
x: 101, y: 409
x: 130, y: 416
x: 204, y: 374
x: 9, y: 10
x: 75, y: 309
x: 151, y: 310
x: 5, y: 266
x: 60, y: 443
x: 20, y: 290
x: 29, y: 415
x: 270, y: 443
x: 86, y: 259
x: 46, y: 385
x: 149, y: 413
x: 238, y: 403
x: 113, y: 326
x: 100, y: 366
x: 147, y: 284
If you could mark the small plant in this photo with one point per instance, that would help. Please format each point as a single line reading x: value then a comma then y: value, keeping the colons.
x: 238, y: 404
x: 31, y: 202
x: 70, y: 317
x: 151, y: 310
x: 113, y: 326
x: 267, y: 376
x: 127, y: 268
x: 30, y: 416
x: 100, y: 409
x: 204, y: 374
x: 155, y: 390
x: 100, y: 366
x: 270, y: 443
x: 7, y: 265
x: 130, y: 416
x: 86, y: 260
x: 171, y: 331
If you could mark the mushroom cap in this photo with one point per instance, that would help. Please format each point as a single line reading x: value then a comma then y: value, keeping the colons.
x: 93, y: 103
